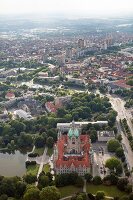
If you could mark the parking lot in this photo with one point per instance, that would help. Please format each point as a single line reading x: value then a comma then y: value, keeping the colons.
x: 101, y: 154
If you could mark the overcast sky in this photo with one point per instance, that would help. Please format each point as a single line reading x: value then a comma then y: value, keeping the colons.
x: 68, y: 7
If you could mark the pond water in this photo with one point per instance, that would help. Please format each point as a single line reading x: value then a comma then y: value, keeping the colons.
x: 13, y: 164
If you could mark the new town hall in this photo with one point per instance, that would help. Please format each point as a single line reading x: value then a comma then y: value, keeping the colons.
x: 72, y: 152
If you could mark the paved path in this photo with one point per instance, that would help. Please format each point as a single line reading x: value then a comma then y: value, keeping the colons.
x: 30, y: 152
x: 84, y: 186
x: 43, y: 161
x: 69, y: 197
x: 64, y: 198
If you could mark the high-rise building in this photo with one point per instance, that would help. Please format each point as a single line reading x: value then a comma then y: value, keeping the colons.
x: 81, y: 43
x: 69, y: 52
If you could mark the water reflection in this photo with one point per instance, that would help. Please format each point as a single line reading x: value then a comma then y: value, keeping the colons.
x: 13, y: 163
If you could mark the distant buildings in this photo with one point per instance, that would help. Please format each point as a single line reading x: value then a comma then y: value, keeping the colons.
x: 50, y: 107
x: 22, y: 114
x: 76, y: 80
x: 119, y: 84
x: 69, y: 52
x: 105, y: 136
x: 31, y: 105
x: 63, y: 100
x: 10, y: 95
x: 43, y: 74
x: 5, y: 74
x: 49, y: 78
x: 81, y: 43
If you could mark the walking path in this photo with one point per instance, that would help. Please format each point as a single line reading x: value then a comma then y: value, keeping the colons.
x: 84, y: 186
x: 69, y: 197
x: 64, y: 198
x: 44, y: 160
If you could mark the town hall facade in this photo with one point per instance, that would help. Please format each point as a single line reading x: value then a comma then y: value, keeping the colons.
x: 72, y: 152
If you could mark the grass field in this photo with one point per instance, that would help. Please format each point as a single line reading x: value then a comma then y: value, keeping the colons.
x: 111, y: 191
x: 46, y: 168
x: 50, y: 152
x: 69, y: 190
x: 33, y: 169
x: 39, y: 151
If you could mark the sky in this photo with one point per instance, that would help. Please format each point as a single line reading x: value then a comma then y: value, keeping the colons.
x: 90, y: 8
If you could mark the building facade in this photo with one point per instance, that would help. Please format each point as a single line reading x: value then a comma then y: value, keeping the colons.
x: 72, y: 152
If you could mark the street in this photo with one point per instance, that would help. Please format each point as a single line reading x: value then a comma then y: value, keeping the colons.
x: 118, y: 105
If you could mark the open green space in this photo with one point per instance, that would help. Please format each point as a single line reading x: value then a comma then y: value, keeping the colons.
x: 111, y: 191
x: 69, y: 190
x: 39, y: 151
x: 46, y: 168
x: 32, y: 169
x: 50, y: 152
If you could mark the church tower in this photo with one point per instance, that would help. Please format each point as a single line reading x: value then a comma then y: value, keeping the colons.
x: 73, y: 144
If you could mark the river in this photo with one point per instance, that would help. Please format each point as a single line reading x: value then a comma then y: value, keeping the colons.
x: 12, y: 164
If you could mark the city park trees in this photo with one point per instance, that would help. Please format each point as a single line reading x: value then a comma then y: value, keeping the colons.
x: 112, y: 145
x: 82, y: 106
x: 50, y: 192
x: 32, y: 193
x: 114, y: 164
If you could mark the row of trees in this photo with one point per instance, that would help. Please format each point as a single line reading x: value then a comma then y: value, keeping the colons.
x: 115, y: 146
x: 127, y: 132
x: 127, y: 95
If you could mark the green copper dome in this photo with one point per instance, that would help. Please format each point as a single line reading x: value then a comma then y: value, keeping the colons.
x: 73, y: 132
x: 76, y: 132
x: 70, y: 132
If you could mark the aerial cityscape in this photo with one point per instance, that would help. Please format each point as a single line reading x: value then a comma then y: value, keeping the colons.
x: 66, y: 100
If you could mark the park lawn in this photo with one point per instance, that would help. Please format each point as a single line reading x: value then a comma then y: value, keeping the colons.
x: 32, y: 169
x: 111, y: 191
x: 50, y: 152
x: 39, y: 151
x: 69, y: 190
x: 46, y: 168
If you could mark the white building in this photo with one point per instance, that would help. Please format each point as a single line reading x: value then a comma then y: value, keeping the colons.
x: 22, y: 114
x: 79, y: 125
x: 105, y: 136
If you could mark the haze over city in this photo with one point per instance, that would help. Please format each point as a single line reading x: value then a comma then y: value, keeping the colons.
x: 78, y: 8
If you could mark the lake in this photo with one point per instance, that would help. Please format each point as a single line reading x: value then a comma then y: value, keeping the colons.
x: 12, y: 164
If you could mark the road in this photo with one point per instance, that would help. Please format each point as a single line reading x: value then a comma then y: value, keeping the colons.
x: 118, y: 105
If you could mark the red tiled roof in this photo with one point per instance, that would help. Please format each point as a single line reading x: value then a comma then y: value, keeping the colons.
x: 10, y: 95
x: 122, y: 83
x: 51, y: 106
x: 73, y: 160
